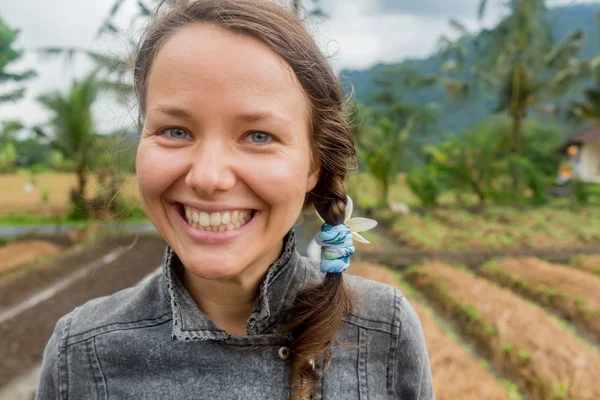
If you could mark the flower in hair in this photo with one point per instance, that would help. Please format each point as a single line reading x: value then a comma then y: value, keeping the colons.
x: 333, y: 246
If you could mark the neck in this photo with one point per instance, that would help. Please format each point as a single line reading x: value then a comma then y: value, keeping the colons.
x: 229, y: 302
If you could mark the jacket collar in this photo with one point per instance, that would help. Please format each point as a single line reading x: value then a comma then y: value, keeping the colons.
x: 283, y: 280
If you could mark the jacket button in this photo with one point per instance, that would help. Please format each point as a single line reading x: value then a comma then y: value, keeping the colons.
x: 284, y: 352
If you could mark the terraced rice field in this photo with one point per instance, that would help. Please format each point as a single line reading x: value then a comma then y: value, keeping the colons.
x: 457, y: 374
x: 522, y: 341
x: 573, y: 294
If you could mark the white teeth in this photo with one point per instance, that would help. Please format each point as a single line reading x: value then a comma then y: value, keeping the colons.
x: 215, y: 219
x: 204, y: 219
x: 225, y: 218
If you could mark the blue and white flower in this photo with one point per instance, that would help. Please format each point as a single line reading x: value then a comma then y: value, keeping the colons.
x: 356, y: 225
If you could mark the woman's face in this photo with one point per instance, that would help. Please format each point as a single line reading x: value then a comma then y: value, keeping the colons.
x: 224, y: 161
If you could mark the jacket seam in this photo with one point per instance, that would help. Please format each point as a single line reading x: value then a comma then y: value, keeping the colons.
x: 363, y: 364
x: 100, y: 367
x: 89, y: 357
x: 395, y: 344
x: 114, y: 329
x: 369, y: 320
x: 63, y: 367
x: 370, y: 328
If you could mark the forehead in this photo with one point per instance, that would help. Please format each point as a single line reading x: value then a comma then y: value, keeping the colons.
x: 203, y: 63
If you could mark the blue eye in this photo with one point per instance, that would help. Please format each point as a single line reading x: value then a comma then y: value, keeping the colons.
x: 259, y: 137
x: 176, y: 133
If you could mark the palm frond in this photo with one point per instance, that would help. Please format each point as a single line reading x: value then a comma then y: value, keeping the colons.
x: 12, y: 95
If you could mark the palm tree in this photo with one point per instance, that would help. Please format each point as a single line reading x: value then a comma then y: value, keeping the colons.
x: 9, y: 55
x: 519, y: 60
x: 590, y: 109
x: 72, y: 127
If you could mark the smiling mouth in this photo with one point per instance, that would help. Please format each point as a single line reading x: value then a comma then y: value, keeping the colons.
x: 219, y: 221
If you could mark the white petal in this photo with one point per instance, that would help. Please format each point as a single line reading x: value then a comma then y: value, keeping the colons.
x: 322, y: 220
x: 314, y: 251
x: 349, y: 208
x: 359, y: 224
x: 359, y: 238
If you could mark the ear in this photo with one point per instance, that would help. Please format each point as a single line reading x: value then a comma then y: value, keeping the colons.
x: 314, y: 174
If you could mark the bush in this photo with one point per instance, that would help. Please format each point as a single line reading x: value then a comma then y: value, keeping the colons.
x: 425, y: 183
x: 37, y: 169
x: 581, y: 192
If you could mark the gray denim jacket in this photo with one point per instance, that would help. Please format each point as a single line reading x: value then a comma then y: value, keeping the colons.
x: 152, y: 341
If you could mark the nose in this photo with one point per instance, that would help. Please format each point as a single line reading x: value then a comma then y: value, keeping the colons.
x: 211, y: 169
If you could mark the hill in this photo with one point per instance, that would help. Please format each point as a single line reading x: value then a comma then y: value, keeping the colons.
x: 456, y: 117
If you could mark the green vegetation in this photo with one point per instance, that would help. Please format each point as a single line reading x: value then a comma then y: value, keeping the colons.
x: 9, y: 55
x: 458, y: 116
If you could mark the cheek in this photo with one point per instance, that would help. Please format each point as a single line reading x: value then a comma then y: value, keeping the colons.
x: 156, y: 170
x: 281, y: 181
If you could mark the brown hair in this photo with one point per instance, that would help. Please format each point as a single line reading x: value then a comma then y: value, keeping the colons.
x: 317, y: 312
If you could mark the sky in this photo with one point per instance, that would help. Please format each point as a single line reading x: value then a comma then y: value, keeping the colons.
x: 358, y: 34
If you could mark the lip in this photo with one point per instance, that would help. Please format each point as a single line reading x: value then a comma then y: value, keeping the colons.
x: 211, y: 237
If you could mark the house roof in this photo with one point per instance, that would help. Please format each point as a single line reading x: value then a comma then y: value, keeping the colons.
x: 587, y: 136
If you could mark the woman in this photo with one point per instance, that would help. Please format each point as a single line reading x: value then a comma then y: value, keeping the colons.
x: 242, y: 127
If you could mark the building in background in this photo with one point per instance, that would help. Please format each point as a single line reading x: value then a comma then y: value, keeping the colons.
x: 583, y: 152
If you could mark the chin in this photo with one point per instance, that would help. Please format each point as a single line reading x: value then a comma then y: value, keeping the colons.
x: 208, y: 269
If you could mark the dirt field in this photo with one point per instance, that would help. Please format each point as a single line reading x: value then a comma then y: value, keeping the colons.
x: 14, y: 199
x: 15, y: 255
x: 588, y: 262
x: 457, y: 375
x: 521, y: 340
x: 574, y: 294
x: 23, y: 338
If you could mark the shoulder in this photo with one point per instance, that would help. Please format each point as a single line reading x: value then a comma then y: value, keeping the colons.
x: 129, y: 308
x: 375, y: 305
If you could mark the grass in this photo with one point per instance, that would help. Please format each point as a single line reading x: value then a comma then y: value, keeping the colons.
x: 363, y: 189
x: 493, y: 227
x: 496, y: 228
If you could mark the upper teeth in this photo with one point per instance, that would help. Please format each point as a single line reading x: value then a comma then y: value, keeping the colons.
x: 227, y: 220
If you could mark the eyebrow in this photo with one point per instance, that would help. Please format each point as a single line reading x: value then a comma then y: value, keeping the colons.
x: 173, y: 111
x: 247, y: 117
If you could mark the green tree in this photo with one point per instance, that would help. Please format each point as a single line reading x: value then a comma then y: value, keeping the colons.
x: 9, y: 55
x: 8, y: 151
x: 479, y: 161
x: 519, y: 60
x: 380, y: 148
x: 72, y: 128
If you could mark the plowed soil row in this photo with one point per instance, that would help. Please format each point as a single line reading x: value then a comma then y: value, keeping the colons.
x: 23, y: 338
x: 573, y: 294
x: 521, y: 340
x: 17, y: 254
x: 456, y: 373
x: 19, y: 285
x: 587, y: 262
